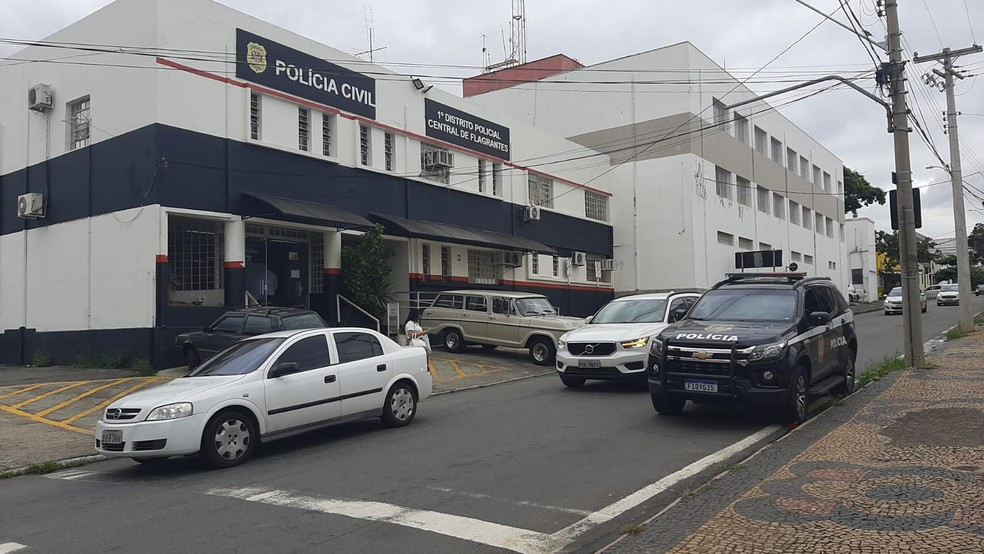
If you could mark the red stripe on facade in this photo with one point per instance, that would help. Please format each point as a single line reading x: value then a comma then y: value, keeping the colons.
x: 547, y: 285
x: 333, y: 271
x: 162, y: 258
x: 233, y: 265
x: 329, y: 109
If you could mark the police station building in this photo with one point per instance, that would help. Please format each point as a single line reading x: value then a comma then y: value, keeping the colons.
x: 192, y: 159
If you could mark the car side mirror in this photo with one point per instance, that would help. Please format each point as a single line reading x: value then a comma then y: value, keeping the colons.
x: 588, y: 319
x: 284, y: 368
x: 819, y: 318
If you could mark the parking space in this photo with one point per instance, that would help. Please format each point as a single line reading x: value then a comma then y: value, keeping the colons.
x: 477, y: 367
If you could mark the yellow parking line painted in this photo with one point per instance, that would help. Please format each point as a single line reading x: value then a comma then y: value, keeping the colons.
x: 35, y: 417
x: 75, y: 399
x: 25, y: 389
x: 433, y: 371
x: 49, y: 393
x: 454, y: 366
x: 102, y: 405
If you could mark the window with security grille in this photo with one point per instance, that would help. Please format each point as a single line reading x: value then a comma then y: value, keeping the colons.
x: 317, y: 262
x: 796, y: 256
x: 496, y: 179
x: 389, y: 151
x: 556, y: 266
x: 763, y: 199
x: 778, y: 206
x: 365, y: 145
x: 761, y: 141
x: 535, y: 263
x: 745, y: 244
x: 254, y: 116
x: 327, y: 132
x: 807, y: 259
x: 540, y: 190
x: 481, y: 267
x: 431, y: 170
x: 592, y: 273
x: 78, y: 123
x: 765, y: 246
x: 726, y: 238
x: 303, y: 129
x: 425, y: 261
x: 741, y: 128
x: 482, y: 170
x: 744, y: 191
x: 722, y: 182
x: 595, y: 205
x: 445, y: 264
x: 194, y: 253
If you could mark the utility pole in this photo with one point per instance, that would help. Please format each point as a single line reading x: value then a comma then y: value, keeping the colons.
x: 956, y: 179
x: 912, y: 320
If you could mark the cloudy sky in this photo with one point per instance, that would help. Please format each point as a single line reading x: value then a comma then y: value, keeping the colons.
x: 442, y: 41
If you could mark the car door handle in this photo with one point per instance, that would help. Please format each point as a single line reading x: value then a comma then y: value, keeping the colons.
x: 329, y: 378
x: 381, y: 367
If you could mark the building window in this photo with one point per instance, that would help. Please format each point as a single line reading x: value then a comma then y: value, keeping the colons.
x: 817, y: 180
x: 254, y: 116
x: 496, y: 179
x: 481, y: 267
x: 745, y: 244
x: 778, y: 206
x: 776, y: 151
x: 721, y: 116
x: 741, y: 128
x: 791, y: 157
x: 744, y: 192
x: 763, y: 199
x: 796, y: 256
x: 842, y: 232
x: 482, y: 171
x: 826, y: 181
x: 327, y: 126
x: 425, y: 261
x: 819, y: 223
x: 78, y: 123
x: 445, y: 263
x: 807, y: 259
x: 591, y: 272
x: 595, y: 205
x: 722, y: 182
x: 804, y: 171
x: 726, y: 238
x: 761, y: 141
x: 389, y: 151
x: 540, y: 190
x: 436, y: 163
x: 195, y: 253
x: 831, y: 265
x: 556, y: 266
x: 857, y: 276
x: 365, y: 145
x: 303, y: 129
x: 840, y: 187
x: 535, y: 263
x: 794, y: 213
x: 830, y: 227
x: 807, y: 218
x: 317, y: 261
x: 765, y: 246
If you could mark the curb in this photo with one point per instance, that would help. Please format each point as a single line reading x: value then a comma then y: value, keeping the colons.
x: 67, y: 462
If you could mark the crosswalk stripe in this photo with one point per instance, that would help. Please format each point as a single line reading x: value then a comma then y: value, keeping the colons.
x: 7, y: 547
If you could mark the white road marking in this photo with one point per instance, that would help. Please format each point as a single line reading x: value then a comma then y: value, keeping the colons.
x: 7, y: 547
x: 520, y: 502
x: 484, y: 532
x: 70, y: 474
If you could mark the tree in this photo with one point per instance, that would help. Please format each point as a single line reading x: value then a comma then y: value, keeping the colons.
x: 975, y: 243
x: 367, y: 272
x: 859, y: 193
x: 888, y: 244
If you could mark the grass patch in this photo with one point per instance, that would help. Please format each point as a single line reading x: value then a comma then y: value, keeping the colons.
x: 104, y: 360
x: 41, y: 468
x: 877, y: 371
x: 633, y: 529
x: 734, y: 468
x: 703, y: 488
x: 143, y: 367
x: 957, y: 333
x: 41, y: 359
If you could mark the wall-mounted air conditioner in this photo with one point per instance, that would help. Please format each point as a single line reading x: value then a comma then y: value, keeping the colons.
x: 39, y: 98
x: 578, y: 258
x: 30, y: 205
x: 531, y: 213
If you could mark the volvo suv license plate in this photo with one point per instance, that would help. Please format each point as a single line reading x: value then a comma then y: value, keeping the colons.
x: 700, y: 385
x: 589, y: 363
x: 112, y: 436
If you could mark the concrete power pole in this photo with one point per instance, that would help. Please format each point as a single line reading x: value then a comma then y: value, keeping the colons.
x: 912, y: 317
x: 956, y: 178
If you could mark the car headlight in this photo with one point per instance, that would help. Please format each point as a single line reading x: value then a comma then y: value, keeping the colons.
x: 656, y: 349
x: 562, y: 342
x: 170, y: 411
x: 766, y: 352
x: 636, y: 343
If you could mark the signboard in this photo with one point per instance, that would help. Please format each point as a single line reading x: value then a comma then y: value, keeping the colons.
x: 280, y: 67
x: 758, y: 258
x: 893, y: 207
x: 468, y: 131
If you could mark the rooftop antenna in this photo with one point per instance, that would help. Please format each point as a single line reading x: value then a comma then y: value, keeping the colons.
x: 517, y: 38
x: 367, y: 13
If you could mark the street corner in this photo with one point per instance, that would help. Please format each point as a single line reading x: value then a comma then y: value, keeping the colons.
x: 477, y: 366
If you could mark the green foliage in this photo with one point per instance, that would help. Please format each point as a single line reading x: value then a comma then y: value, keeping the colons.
x: 888, y: 244
x: 41, y: 358
x: 975, y: 244
x: 367, y: 271
x: 103, y: 360
x: 956, y: 333
x: 633, y: 529
x: 858, y: 192
x: 143, y: 367
x: 876, y: 372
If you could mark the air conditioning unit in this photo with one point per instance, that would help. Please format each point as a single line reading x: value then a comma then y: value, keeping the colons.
x: 438, y: 158
x: 609, y: 265
x: 508, y: 259
x: 531, y: 213
x: 30, y: 205
x: 39, y: 98
x: 578, y: 258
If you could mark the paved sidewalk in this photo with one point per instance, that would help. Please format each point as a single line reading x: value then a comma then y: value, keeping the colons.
x: 899, y: 467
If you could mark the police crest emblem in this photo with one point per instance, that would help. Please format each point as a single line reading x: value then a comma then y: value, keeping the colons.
x: 256, y: 57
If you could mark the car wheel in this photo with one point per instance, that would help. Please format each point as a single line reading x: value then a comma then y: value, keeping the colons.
x: 150, y: 461
x: 542, y: 351
x: 192, y: 358
x: 572, y: 382
x: 229, y: 439
x: 453, y: 341
x: 850, y: 378
x: 667, y: 405
x: 797, y: 405
x: 400, y: 406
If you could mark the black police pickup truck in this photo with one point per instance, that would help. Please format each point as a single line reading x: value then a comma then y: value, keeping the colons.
x: 768, y: 339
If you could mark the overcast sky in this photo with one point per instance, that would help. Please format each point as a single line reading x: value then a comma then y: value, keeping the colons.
x: 444, y: 39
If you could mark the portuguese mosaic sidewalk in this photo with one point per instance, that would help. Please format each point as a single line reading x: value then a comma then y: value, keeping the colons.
x: 903, y: 471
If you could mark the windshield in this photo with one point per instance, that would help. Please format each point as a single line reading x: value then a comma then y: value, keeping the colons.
x: 239, y: 359
x: 745, y: 305
x: 631, y: 311
x: 535, y: 306
x: 950, y: 288
x: 897, y: 291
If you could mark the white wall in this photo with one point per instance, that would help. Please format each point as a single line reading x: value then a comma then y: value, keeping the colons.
x: 862, y: 254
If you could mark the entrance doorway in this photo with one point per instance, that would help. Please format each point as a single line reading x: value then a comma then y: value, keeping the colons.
x: 277, y: 272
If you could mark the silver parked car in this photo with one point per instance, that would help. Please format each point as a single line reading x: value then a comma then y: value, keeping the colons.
x: 893, y: 302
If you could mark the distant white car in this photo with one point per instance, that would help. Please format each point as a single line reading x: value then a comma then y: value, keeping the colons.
x: 614, y: 344
x: 893, y: 301
x: 932, y: 291
x: 949, y: 295
x: 265, y: 388
x: 856, y: 294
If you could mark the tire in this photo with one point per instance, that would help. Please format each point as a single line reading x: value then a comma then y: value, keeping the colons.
x: 400, y: 406
x: 797, y: 405
x: 229, y: 439
x: 149, y: 461
x: 572, y: 382
x: 542, y: 351
x: 454, y: 341
x: 192, y: 358
x: 667, y: 405
x: 850, y: 378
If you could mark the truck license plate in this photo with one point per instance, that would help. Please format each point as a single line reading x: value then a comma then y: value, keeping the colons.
x: 589, y: 363
x: 112, y: 436
x: 700, y: 385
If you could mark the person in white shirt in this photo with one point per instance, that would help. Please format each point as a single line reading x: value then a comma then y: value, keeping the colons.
x: 415, y: 331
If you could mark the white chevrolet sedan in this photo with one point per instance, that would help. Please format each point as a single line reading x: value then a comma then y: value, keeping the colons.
x: 265, y: 388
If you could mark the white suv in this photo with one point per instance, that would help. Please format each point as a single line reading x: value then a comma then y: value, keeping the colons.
x: 615, y: 342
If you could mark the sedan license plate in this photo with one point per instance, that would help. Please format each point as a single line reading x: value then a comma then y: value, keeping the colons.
x: 112, y: 436
x: 589, y: 363
x: 700, y: 385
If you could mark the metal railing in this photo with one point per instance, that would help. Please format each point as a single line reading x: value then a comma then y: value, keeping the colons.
x: 338, y: 310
